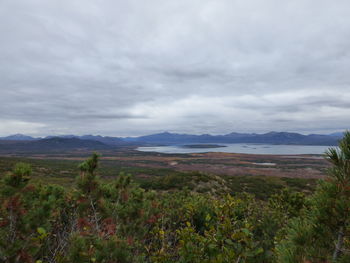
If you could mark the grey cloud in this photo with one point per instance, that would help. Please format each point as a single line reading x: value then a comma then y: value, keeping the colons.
x: 131, y: 67
x: 108, y: 116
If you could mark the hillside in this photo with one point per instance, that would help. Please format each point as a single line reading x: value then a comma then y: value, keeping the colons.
x: 55, y: 144
x: 115, y: 141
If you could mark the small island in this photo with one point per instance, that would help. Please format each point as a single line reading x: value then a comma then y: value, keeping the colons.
x: 200, y: 146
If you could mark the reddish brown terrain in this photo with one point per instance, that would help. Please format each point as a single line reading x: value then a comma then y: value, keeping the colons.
x: 302, y: 166
x: 231, y: 164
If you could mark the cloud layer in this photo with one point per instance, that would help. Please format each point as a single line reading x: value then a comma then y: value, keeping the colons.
x: 203, y: 66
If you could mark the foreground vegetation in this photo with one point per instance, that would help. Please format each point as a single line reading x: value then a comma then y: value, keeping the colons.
x: 63, y: 172
x: 120, y: 221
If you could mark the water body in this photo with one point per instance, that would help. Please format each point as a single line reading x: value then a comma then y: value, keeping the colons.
x: 248, y: 148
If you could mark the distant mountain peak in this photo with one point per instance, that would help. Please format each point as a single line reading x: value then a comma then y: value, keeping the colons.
x: 18, y: 137
x: 337, y: 134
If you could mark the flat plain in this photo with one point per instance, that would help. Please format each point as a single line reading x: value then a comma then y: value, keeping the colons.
x: 261, y: 175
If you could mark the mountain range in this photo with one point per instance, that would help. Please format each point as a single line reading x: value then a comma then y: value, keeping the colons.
x: 167, y: 138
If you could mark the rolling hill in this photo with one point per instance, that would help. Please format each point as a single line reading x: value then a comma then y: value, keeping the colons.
x: 18, y: 137
x: 55, y: 144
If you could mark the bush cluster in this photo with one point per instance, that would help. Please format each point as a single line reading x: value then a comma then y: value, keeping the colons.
x: 119, y: 221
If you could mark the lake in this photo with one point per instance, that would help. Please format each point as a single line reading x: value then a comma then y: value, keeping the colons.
x: 248, y: 148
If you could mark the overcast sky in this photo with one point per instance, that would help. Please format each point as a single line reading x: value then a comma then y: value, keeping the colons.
x: 192, y: 66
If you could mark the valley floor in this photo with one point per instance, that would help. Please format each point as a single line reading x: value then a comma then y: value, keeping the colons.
x: 261, y: 175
